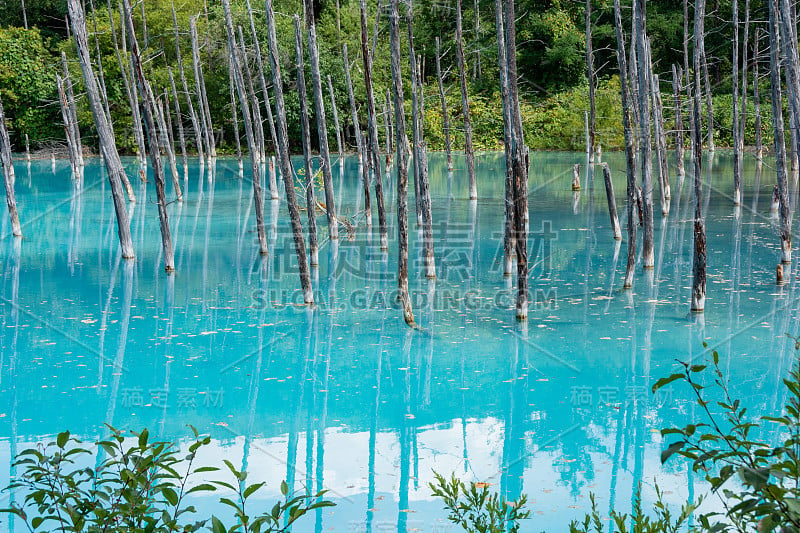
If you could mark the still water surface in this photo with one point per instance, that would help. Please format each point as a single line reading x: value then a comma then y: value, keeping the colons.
x: 347, y: 397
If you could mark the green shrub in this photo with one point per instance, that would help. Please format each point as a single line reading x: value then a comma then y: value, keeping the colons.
x: 137, y: 485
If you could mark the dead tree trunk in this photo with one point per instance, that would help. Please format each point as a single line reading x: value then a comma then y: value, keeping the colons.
x: 8, y: 175
x: 273, y: 186
x: 642, y: 60
x: 699, y: 262
x: 357, y: 131
x: 104, y: 131
x: 744, y: 87
x: 255, y: 107
x: 149, y: 113
x: 415, y: 121
x: 402, y: 165
x: 322, y: 123
x: 661, y: 144
x: 502, y: 63
x: 179, y: 119
x: 788, y: 26
x: 469, y: 152
x: 372, y: 117
x: 138, y: 133
x: 612, y: 203
x: 163, y: 133
x: 476, y: 66
x: 424, y: 184
x: 336, y: 127
x: 590, y: 75
x: 677, y: 79
x: 519, y: 157
x: 780, y: 143
x: 445, y: 117
x: 305, y: 129
x: 67, y: 118
x: 285, y: 162
x: 73, y: 112
x: 737, y: 156
x: 202, y: 99
x: 27, y: 149
x: 196, y: 123
x: 709, y: 101
x: 258, y: 201
x: 389, y: 125
x: 234, y: 113
x: 165, y: 112
x: 757, y: 101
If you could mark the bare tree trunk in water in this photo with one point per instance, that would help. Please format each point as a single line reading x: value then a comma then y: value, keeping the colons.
x: 612, y: 203
x: 737, y: 156
x: 643, y: 61
x: 73, y: 112
x: 244, y: 104
x: 196, y: 125
x: 661, y: 145
x: 424, y: 184
x: 415, y: 120
x: 322, y: 124
x: 149, y: 111
x: 699, y: 263
x: 179, y: 118
x: 67, y: 118
x: 780, y: 144
x: 104, y: 131
x: 630, y: 149
x: 336, y: 127
x: 357, y: 132
x: 402, y: 166
x: 8, y: 175
x: 519, y: 158
x: 305, y: 129
x: 469, y: 152
x: 273, y: 186
x: 255, y: 107
x: 286, y: 165
x: 202, y: 99
x: 445, y: 117
x: 234, y: 113
x: 372, y: 116
x: 502, y: 63
x: 677, y: 79
x: 757, y: 101
x: 590, y: 75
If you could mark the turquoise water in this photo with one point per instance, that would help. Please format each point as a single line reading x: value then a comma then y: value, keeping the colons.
x: 346, y: 397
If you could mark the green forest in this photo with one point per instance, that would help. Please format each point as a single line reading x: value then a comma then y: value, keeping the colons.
x: 551, y: 55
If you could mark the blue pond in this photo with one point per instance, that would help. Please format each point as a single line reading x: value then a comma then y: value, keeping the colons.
x: 346, y: 397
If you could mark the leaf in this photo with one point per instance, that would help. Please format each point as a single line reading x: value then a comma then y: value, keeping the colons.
x: 671, y: 450
x: 62, y: 439
x: 143, y: 438
x: 284, y: 488
x: 170, y: 495
x: 666, y: 381
x: 251, y: 489
x: 217, y: 525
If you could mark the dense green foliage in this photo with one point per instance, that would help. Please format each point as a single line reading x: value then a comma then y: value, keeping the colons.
x: 551, y: 58
x: 138, y: 485
x: 28, y: 85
